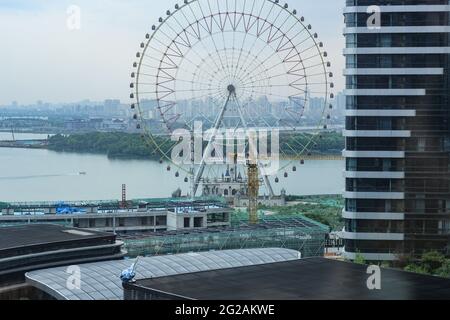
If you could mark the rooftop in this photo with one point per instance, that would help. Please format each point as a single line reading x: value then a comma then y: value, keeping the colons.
x: 100, y: 280
x: 37, y: 246
x: 35, y: 238
x: 306, y: 279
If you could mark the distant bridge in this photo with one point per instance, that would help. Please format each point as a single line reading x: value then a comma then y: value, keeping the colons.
x: 29, y: 144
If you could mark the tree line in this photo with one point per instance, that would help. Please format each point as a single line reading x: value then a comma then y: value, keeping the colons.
x: 125, y: 145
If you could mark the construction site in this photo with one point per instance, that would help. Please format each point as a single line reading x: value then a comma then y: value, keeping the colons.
x: 298, y: 233
x: 170, y: 226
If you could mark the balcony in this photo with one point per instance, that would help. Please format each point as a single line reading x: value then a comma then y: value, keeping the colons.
x: 380, y: 113
x: 373, y: 236
x: 393, y: 71
x: 371, y: 256
x: 401, y: 29
x: 374, y: 174
x: 401, y: 8
x: 377, y: 133
x: 385, y: 92
x: 372, y: 215
x: 374, y: 195
x: 398, y: 50
x: 374, y: 154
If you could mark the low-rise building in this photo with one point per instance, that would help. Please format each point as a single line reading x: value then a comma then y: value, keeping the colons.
x: 154, y: 216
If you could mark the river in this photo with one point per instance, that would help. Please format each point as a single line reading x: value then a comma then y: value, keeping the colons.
x: 43, y: 175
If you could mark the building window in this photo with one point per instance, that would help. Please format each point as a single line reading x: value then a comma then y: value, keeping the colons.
x: 351, y: 61
x: 161, y: 220
x: 198, y: 222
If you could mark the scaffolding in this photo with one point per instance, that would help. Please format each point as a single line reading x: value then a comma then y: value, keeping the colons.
x: 291, y: 232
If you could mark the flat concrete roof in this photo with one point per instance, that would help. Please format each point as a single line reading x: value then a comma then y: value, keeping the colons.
x: 33, y: 238
x: 306, y: 279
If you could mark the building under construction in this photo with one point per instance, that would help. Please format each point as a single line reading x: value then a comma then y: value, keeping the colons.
x: 170, y: 226
x: 292, y: 232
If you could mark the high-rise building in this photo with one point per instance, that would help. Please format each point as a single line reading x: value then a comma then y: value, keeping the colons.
x: 397, y: 199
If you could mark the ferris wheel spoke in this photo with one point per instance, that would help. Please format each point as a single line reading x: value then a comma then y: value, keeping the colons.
x: 191, y: 81
x: 227, y: 62
x: 209, y: 73
x: 255, y: 59
x: 258, y: 65
x: 205, y: 66
x: 237, y: 65
x: 268, y: 86
x: 217, y: 66
x: 155, y: 76
x: 197, y: 98
x: 246, y: 71
x: 266, y: 70
x: 210, y: 32
x: 265, y: 93
x: 250, y: 46
x: 186, y: 90
x: 203, y: 60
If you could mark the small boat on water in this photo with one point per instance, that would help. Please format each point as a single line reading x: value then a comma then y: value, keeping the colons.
x: 82, y: 173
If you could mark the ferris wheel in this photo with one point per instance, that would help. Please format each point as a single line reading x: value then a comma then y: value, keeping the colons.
x: 231, y: 65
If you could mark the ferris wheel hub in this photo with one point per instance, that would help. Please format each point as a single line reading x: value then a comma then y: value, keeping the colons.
x: 231, y: 89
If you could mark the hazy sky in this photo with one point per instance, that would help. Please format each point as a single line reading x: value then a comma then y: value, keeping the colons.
x: 41, y: 59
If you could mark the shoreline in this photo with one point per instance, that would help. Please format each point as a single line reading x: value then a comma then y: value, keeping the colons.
x: 109, y: 201
x: 315, y: 157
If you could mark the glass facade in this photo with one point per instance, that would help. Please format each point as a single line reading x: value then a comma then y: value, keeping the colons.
x: 397, y: 129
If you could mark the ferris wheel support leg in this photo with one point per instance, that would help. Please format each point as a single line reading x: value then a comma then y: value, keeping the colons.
x: 268, y: 186
x: 207, y: 152
x: 192, y: 169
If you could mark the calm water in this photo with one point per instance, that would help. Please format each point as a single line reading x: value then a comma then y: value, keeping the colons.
x: 42, y: 175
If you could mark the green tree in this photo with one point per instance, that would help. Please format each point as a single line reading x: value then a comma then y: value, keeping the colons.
x: 359, y: 258
x: 431, y: 263
x: 416, y: 269
x: 444, y: 270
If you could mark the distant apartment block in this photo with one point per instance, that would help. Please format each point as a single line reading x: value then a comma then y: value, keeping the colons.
x: 397, y: 199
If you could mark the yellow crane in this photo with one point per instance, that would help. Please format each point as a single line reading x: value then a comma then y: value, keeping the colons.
x: 252, y: 185
x: 253, y: 192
